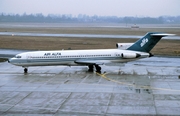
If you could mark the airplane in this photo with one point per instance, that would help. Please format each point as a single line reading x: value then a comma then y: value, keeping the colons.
x: 92, y: 58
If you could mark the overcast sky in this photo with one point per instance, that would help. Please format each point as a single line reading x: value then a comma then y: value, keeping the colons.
x: 120, y: 8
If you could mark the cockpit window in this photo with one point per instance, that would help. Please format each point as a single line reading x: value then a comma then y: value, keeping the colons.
x: 17, y: 56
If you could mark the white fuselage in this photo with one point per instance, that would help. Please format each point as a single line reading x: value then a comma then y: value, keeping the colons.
x: 75, y: 57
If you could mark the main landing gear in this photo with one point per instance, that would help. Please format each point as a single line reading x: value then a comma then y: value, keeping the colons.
x: 91, y: 68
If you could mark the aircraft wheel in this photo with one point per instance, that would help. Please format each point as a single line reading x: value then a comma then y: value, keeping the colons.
x: 25, y: 70
x: 91, y: 68
x: 98, y: 68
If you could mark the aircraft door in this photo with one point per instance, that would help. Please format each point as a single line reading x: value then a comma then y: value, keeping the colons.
x: 117, y: 54
x: 28, y: 57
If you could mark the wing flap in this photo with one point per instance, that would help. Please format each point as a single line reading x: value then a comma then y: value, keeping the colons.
x: 90, y: 62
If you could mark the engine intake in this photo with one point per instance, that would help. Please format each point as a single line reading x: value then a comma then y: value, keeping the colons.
x: 123, y: 46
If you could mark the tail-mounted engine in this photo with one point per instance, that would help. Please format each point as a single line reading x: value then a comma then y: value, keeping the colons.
x: 130, y: 55
x: 123, y: 46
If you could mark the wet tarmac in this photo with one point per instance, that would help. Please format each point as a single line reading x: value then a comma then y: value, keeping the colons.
x: 148, y: 86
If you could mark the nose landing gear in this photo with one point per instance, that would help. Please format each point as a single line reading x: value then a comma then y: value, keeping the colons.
x: 25, y: 70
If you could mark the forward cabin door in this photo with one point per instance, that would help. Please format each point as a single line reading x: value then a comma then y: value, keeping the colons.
x: 28, y: 57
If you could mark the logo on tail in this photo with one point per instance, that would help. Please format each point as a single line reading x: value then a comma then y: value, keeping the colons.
x: 144, y: 41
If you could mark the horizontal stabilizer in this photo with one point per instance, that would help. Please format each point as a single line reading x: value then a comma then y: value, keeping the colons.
x: 162, y: 34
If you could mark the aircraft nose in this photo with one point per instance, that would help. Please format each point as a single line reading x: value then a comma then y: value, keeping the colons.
x: 9, y: 60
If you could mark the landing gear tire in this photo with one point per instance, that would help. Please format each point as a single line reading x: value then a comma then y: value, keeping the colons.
x: 25, y: 70
x: 91, y: 68
x: 98, y: 69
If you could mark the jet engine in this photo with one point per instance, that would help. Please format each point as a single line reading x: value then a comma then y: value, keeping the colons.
x: 130, y: 55
x: 123, y: 46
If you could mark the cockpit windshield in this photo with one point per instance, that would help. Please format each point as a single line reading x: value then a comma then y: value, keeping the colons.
x: 17, y: 56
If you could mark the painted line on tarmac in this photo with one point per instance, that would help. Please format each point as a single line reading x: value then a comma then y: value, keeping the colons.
x: 133, y: 85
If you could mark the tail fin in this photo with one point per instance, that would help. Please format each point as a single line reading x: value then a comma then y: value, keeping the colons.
x: 146, y: 43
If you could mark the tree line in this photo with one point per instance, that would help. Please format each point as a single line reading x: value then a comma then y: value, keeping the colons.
x: 81, y: 18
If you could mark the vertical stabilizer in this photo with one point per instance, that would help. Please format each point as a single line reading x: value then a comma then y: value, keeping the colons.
x: 146, y: 43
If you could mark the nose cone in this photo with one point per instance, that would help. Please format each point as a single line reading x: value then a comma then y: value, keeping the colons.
x: 9, y: 60
x: 13, y: 61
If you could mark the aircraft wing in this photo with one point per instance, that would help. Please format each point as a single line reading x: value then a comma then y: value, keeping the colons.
x: 89, y: 62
